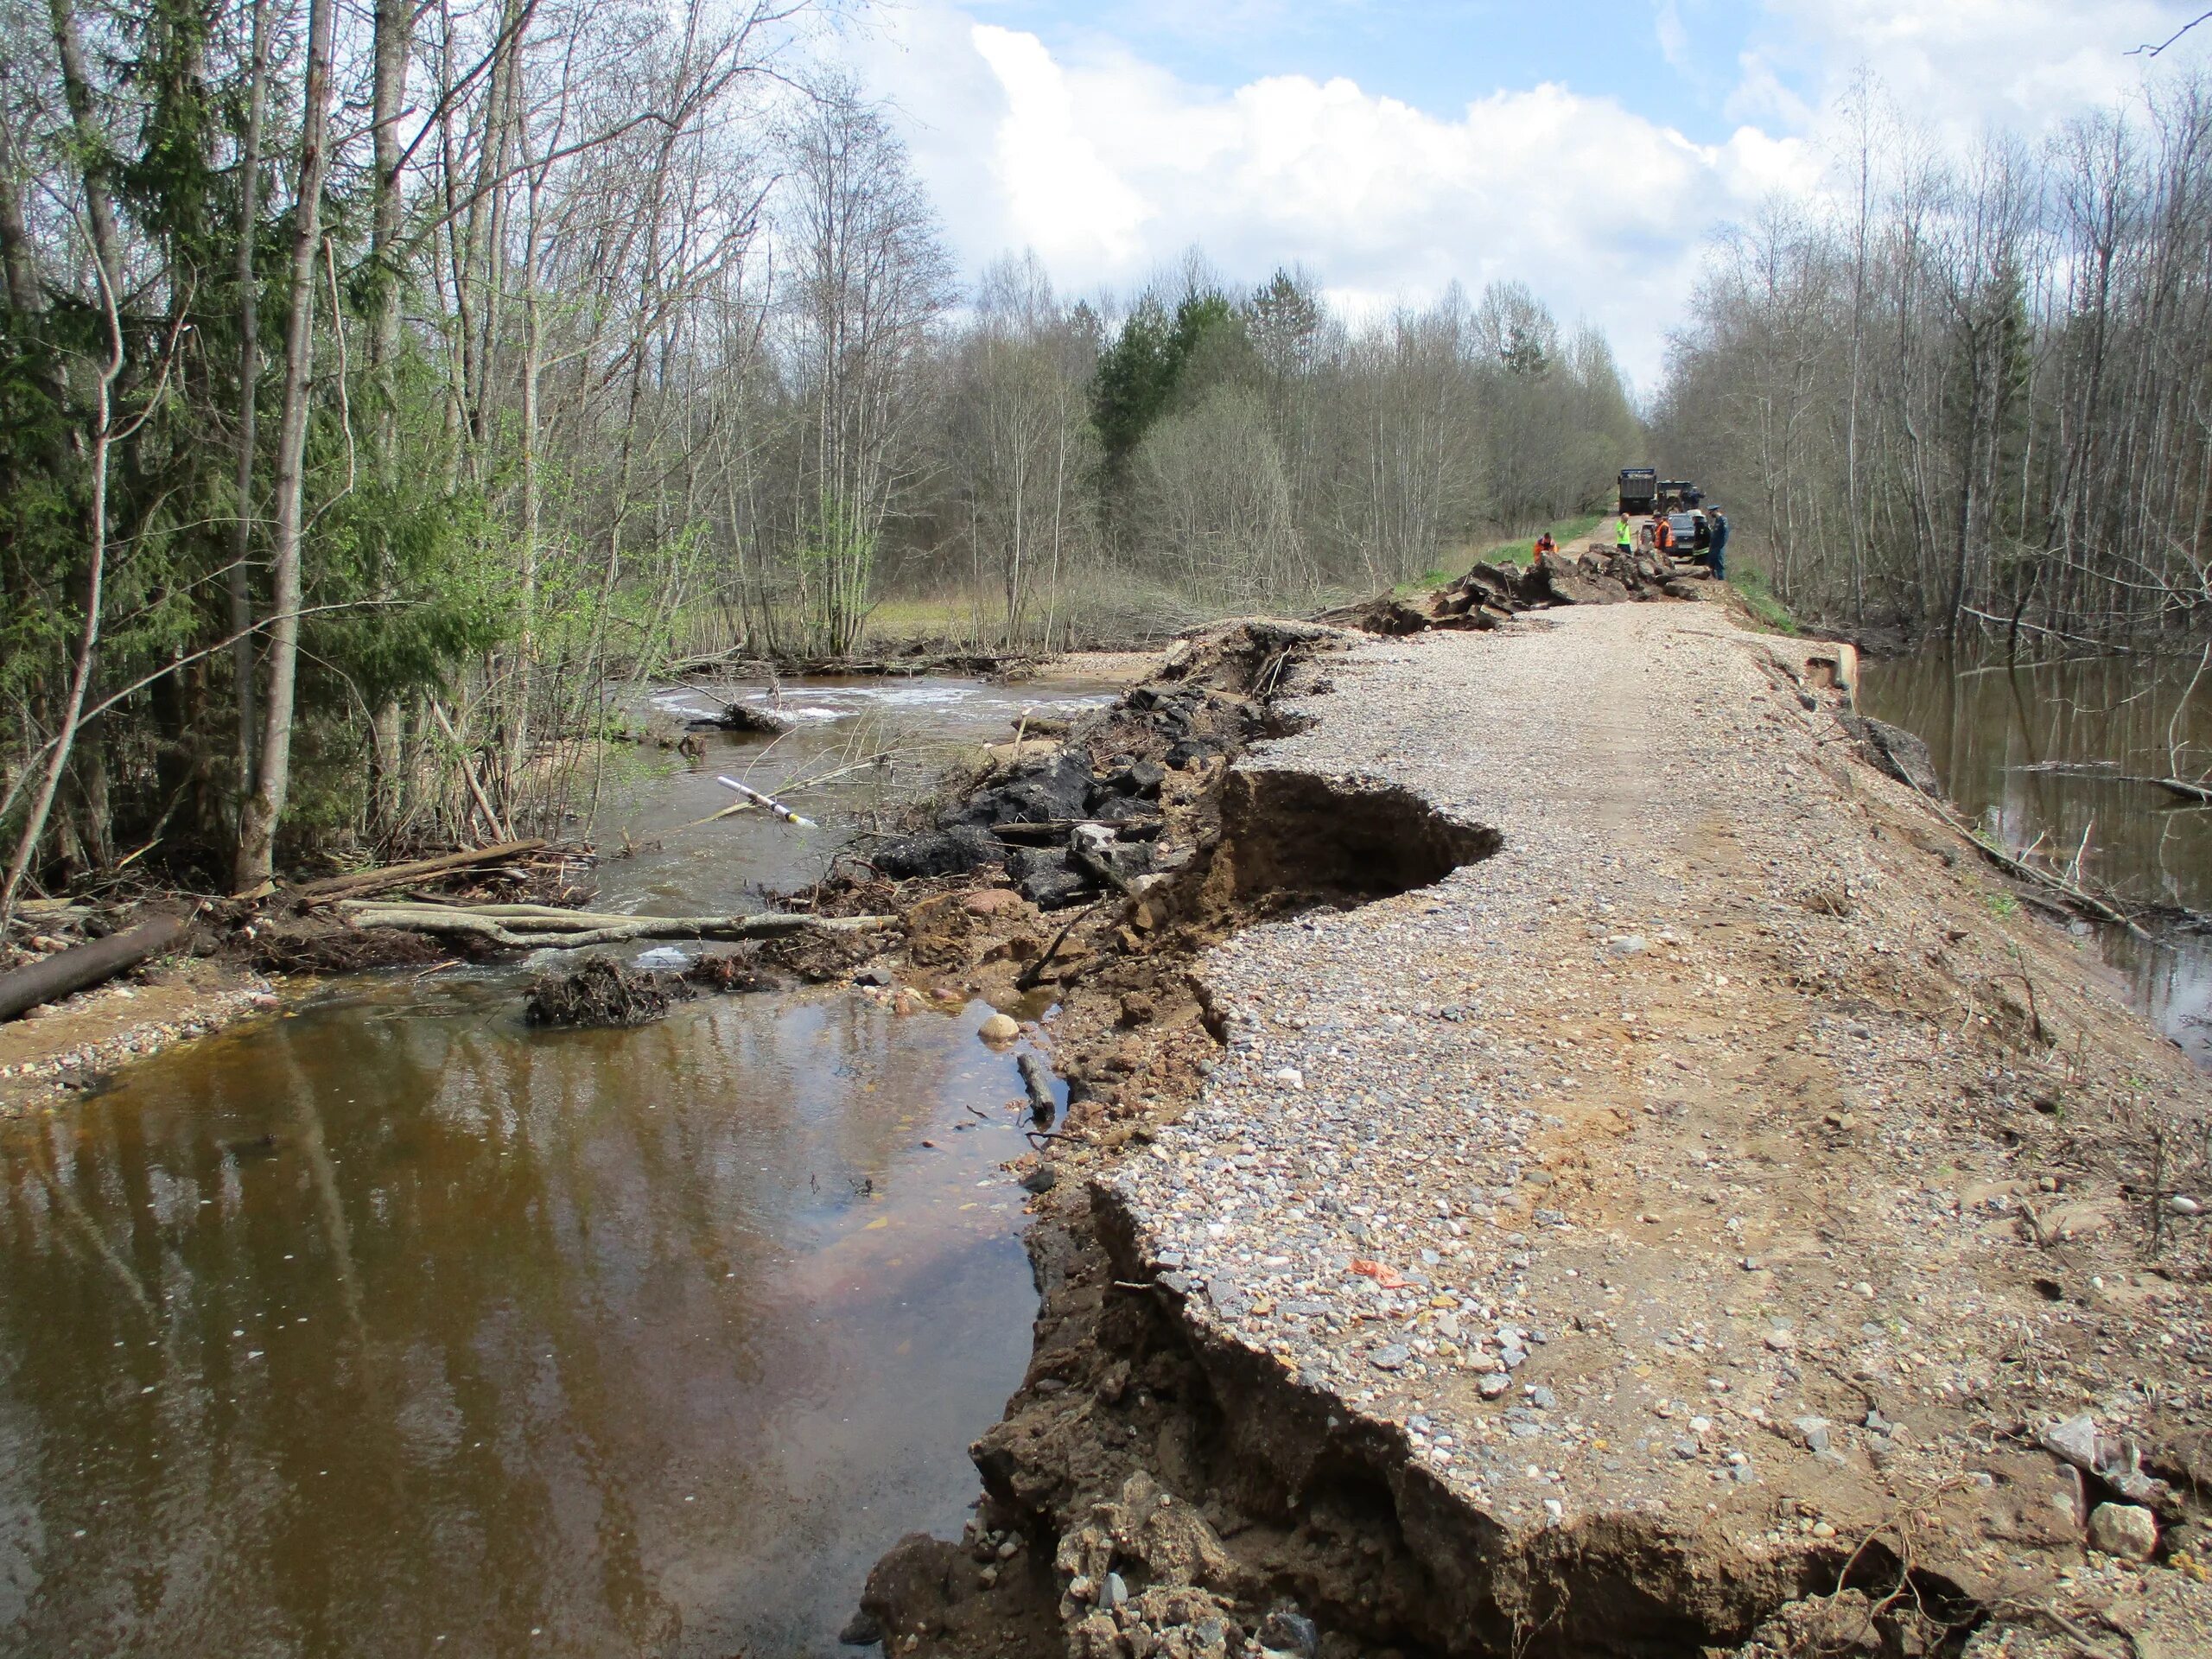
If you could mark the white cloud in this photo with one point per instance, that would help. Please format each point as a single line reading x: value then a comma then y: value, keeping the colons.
x: 1072, y: 207
x: 1109, y: 167
x: 1964, y: 65
x: 1674, y: 39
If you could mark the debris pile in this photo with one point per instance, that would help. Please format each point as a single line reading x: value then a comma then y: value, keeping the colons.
x: 602, y: 993
x: 746, y: 717
x: 1489, y: 594
x: 1070, y: 821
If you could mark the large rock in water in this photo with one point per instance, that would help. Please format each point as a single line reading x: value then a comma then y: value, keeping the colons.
x: 1894, y: 750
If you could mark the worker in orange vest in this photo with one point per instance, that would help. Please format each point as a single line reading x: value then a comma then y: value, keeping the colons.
x: 1545, y: 547
x: 1663, y: 534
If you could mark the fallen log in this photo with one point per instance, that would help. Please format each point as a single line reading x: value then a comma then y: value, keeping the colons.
x: 85, y: 966
x: 1036, y: 1084
x: 2109, y: 771
x: 399, y: 875
x: 540, y: 928
x: 2081, y: 901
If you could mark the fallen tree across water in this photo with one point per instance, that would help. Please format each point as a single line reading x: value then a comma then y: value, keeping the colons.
x: 540, y: 927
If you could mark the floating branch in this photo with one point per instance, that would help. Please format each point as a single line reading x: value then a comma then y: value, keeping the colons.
x: 540, y: 927
x: 768, y: 801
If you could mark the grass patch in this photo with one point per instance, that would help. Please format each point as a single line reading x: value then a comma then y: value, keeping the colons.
x: 1566, y: 530
x: 942, y: 616
x: 1565, y: 533
x: 1427, y: 581
x: 1765, y: 609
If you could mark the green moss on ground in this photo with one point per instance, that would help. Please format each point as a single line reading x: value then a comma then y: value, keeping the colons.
x: 1764, y: 610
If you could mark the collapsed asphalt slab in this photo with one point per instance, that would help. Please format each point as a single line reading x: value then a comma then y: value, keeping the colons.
x: 1683, y: 1206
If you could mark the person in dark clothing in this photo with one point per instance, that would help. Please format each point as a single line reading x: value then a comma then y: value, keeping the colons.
x: 1716, y: 555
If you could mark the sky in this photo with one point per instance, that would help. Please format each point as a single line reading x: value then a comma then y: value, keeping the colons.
x: 1391, y: 147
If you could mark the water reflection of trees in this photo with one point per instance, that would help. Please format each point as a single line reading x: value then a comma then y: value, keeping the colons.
x: 541, y: 1279
x: 1990, y: 723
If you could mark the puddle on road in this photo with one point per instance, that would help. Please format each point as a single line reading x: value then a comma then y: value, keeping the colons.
x: 393, y: 1327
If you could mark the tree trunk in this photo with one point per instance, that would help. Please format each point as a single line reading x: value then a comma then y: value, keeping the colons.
x: 85, y: 965
x: 88, y: 638
x: 257, y: 823
x: 239, y: 579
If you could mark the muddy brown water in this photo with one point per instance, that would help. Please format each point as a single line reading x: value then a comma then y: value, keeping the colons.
x: 1993, y: 726
x: 390, y: 1326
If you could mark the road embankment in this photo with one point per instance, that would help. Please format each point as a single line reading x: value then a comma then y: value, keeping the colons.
x: 1667, y: 1194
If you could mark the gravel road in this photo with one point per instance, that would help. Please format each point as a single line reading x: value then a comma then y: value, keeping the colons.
x: 1693, y: 1158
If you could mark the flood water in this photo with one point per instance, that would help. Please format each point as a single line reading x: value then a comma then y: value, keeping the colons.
x: 1994, y: 727
x: 393, y: 1326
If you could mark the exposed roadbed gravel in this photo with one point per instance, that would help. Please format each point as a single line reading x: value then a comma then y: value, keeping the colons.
x: 1722, y: 1185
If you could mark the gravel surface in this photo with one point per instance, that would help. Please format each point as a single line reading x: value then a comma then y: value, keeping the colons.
x: 1692, y: 1156
x: 63, y: 1050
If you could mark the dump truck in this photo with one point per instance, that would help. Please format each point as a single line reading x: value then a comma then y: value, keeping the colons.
x: 1639, y: 490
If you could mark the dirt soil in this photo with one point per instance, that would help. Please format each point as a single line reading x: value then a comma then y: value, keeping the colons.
x: 60, y: 1051
x: 1576, y: 1161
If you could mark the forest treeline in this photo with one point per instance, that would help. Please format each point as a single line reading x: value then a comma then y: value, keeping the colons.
x: 1975, y: 396
x: 386, y: 386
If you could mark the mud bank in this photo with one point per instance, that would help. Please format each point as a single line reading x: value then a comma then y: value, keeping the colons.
x: 65, y: 1049
x: 1579, y: 1162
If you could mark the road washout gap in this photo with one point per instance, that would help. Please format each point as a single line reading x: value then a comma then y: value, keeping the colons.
x: 1619, y: 1246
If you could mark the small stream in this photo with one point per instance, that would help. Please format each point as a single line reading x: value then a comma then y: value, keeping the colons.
x: 393, y: 1327
x: 1991, y: 724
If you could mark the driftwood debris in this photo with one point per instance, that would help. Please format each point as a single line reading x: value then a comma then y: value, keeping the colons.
x: 1034, y: 975
x: 603, y: 993
x: 2178, y: 786
x: 1036, y: 1084
x: 2109, y: 771
x: 539, y: 927
x: 400, y: 875
x: 85, y: 966
x: 766, y: 802
x: 743, y: 717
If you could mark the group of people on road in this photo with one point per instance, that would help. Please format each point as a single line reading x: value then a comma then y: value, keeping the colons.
x: 1707, y: 542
